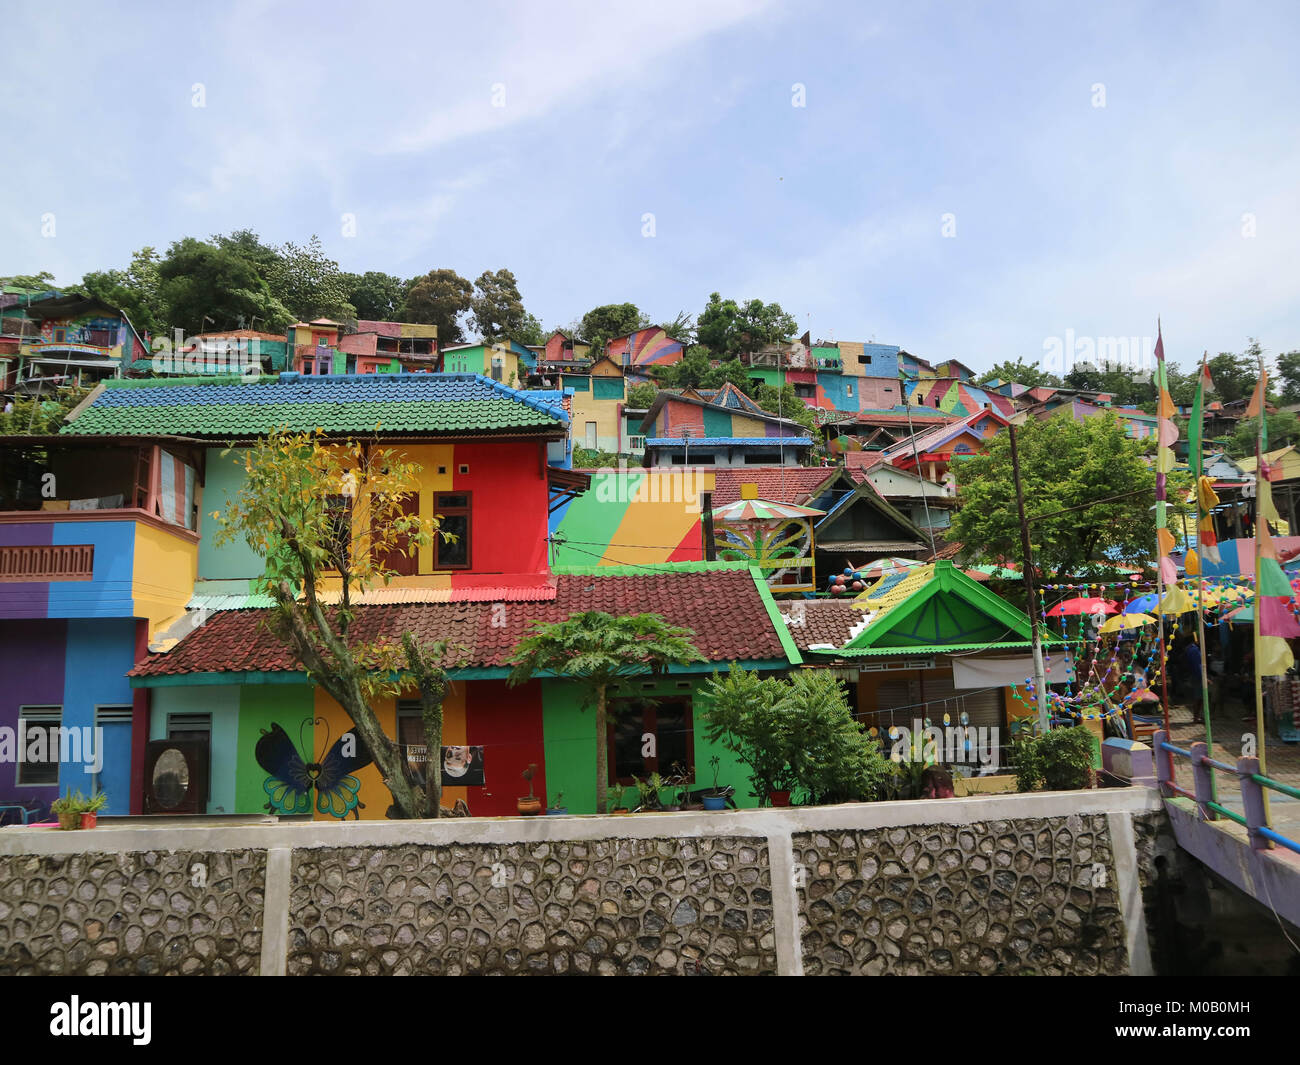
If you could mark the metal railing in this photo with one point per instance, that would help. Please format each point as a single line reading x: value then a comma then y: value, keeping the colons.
x: 1252, y: 783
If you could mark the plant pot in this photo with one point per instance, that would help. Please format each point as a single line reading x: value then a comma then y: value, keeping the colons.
x: 529, y: 806
x: 557, y: 811
x: 70, y: 820
x: 779, y: 798
x: 88, y: 820
x: 621, y: 811
x: 714, y: 802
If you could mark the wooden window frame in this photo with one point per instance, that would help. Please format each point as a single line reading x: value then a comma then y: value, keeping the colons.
x: 467, y: 511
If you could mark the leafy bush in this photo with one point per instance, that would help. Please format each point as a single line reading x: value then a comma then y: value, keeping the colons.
x: 1058, y: 761
x: 795, y: 734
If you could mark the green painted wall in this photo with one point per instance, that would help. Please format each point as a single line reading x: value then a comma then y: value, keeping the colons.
x: 222, y: 479
x: 259, y: 705
x: 577, y: 382
x: 717, y: 422
x: 769, y: 377
x: 570, y: 744
x: 607, y: 387
x: 594, y: 517
x: 222, y: 702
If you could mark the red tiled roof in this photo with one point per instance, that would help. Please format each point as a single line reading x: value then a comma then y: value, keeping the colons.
x: 721, y: 604
x: 822, y: 621
x: 779, y: 484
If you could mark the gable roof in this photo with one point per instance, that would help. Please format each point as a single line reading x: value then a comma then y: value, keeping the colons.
x: 781, y: 484
x: 865, y: 491
x: 227, y: 408
x: 932, y: 609
x: 941, y: 434
x: 726, y: 604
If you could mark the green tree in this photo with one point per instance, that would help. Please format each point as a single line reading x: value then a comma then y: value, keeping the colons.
x: 206, y: 287
x: 732, y: 371
x: 137, y: 291
x: 247, y: 245
x: 729, y: 328
x: 35, y: 282
x: 1029, y: 374
x: 311, y: 509
x: 310, y: 283
x: 785, y: 403
x: 1283, y: 430
x: 601, y: 324
x: 689, y: 371
x: 597, y: 651
x: 1235, y: 375
x: 1288, y: 370
x: 496, y: 307
x: 1063, y: 464
x: 639, y: 397
x: 442, y: 298
x: 375, y: 295
x: 530, y: 331
x: 681, y: 327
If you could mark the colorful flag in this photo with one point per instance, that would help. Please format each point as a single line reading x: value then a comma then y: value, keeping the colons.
x: 1206, y: 499
x: 1166, y: 437
x: 1273, y: 591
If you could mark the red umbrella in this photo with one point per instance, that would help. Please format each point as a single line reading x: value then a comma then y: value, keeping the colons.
x: 1082, y: 605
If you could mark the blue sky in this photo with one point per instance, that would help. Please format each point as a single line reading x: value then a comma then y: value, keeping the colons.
x: 1068, y: 216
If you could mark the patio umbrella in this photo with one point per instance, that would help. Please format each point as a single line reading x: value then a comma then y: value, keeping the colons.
x: 1121, y: 622
x: 1143, y: 604
x: 762, y: 510
x: 1082, y: 604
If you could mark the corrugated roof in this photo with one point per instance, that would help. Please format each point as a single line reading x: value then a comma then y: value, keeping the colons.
x: 348, y: 403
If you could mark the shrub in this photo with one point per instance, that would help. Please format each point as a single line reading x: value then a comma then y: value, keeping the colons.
x: 1058, y: 761
x: 795, y: 734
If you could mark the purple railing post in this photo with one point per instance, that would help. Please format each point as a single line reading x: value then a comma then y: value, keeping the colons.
x: 1202, y: 780
x: 1252, y: 801
x: 1164, y: 767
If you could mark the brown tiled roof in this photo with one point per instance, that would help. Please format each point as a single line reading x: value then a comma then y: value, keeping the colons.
x: 779, y: 484
x: 721, y: 604
x: 821, y: 621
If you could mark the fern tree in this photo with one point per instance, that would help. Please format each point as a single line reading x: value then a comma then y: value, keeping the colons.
x: 598, y: 650
x: 328, y: 520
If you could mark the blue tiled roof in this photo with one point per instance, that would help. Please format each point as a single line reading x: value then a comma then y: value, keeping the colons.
x: 729, y: 441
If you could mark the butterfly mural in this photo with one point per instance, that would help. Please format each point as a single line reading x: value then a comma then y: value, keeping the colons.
x: 292, y: 780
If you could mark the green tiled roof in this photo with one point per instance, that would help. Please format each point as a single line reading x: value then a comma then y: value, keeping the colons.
x: 350, y: 403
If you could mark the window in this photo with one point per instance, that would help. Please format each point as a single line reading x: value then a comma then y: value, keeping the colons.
x: 649, y: 736
x: 400, y: 559
x: 338, y: 527
x: 864, y: 360
x: 848, y: 389
x: 453, y: 513
x: 38, y: 744
x: 591, y: 436
x: 761, y: 459
x: 805, y: 391
x: 410, y: 733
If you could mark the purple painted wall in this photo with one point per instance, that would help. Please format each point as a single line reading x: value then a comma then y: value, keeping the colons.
x: 32, y: 654
x: 24, y: 599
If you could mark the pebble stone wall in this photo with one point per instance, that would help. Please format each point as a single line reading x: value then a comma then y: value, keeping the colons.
x: 998, y: 897
x: 619, y: 906
x: 145, y: 913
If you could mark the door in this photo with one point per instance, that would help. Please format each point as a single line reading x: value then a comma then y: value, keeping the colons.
x: 398, y: 559
x: 591, y: 436
x: 113, y: 742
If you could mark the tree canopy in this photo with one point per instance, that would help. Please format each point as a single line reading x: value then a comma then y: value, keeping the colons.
x: 441, y: 298
x: 1063, y: 464
x: 601, y: 324
x: 727, y: 328
x: 1029, y: 374
x: 496, y: 308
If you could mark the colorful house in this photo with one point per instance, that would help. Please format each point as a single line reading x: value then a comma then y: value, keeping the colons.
x: 933, y: 451
x: 598, y: 400
x: 323, y: 346
x: 637, y: 352
x: 79, y: 340
x: 924, y: 642
x: 503, y: 360
x: 247, y: 683
x: 681, y: 430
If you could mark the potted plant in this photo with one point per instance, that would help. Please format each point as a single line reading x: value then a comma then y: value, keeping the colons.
x: 559, y: 809
x: 618, y: 796
x: 648, y: 793
x: 90, y: 809
x: 715, y: 801
x: 68, y: 808
x: 529, y: 804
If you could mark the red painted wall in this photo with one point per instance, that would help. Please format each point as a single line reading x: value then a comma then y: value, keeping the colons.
x: 509, y: 519
x: 507, y: 722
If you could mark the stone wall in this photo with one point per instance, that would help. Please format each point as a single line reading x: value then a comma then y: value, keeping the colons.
x: 1010, y: 883
x: 1006, y: 897
x: 606, y: 907
x: 146, y: 913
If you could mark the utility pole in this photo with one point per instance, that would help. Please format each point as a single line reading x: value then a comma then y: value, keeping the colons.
x: 1040, y: 674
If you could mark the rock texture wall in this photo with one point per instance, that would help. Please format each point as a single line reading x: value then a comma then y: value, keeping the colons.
x: 147, y: 912
x: 996, y: 897
x: 617, y: 906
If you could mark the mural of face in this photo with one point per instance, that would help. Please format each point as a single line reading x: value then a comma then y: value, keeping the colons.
x: 457, y: 760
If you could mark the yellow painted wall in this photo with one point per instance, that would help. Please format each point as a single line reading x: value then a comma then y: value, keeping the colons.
x: 164, y: 569
x: 604, y: 412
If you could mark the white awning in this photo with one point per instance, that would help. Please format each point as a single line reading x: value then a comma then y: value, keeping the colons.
x: 1003, y: 672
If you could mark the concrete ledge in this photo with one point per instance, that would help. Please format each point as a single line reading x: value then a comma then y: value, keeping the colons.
x: 140, y: 835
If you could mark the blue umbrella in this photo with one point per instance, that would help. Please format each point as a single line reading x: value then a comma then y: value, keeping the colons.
x: 1143, y: 604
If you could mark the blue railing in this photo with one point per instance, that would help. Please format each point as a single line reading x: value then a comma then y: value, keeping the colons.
x: 1251, y: 782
